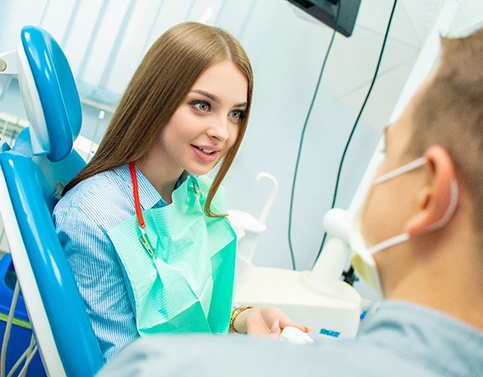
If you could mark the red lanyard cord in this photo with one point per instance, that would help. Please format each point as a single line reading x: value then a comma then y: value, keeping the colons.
x: 135, y: 189
x: 143, y: 238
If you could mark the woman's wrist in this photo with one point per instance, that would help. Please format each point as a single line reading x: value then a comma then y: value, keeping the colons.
x: 237, y: 317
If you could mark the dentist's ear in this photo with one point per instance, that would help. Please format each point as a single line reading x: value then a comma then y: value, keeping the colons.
x: 436, y: 202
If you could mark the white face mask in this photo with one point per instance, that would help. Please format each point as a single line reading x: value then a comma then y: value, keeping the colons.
x: 362, y: 258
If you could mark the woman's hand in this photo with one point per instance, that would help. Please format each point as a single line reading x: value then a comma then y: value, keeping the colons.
x: 264, y: 321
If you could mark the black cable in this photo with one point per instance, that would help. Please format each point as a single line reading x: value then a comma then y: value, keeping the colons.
x: 292, y: 255
x: 336, y: 189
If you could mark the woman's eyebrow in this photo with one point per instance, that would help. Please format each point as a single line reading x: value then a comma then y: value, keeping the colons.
x: 214, y: 98
x: 243, y: 104
x: 206, y: 94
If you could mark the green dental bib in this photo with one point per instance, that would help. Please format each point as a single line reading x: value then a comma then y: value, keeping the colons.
x: 188, y: 285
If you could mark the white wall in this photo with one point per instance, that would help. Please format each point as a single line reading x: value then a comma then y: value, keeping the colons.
x: 286, y: 71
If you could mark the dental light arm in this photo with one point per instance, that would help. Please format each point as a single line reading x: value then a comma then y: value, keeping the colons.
x: 336, y: 252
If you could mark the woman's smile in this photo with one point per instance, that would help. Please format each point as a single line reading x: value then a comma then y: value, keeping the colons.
x: 207, y: 154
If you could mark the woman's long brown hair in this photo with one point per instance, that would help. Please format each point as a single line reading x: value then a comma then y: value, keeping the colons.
x: 159, y: 85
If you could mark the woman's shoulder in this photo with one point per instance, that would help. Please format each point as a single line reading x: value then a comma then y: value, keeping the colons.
x: 105, y: 190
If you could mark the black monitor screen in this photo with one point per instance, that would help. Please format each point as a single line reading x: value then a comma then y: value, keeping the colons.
x: 340, y: 15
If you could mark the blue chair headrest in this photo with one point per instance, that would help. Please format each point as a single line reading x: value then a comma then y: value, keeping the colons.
x: 49, y: 93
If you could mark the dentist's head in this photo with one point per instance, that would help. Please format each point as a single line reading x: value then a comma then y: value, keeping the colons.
x: 419, y: 234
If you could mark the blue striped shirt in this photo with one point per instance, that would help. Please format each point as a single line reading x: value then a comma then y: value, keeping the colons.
x: 82, y: 218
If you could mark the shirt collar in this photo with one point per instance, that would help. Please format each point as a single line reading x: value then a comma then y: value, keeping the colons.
x: 148, y: 195
x: 418, y: 331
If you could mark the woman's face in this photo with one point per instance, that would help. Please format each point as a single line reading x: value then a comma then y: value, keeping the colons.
x: 206, y: 124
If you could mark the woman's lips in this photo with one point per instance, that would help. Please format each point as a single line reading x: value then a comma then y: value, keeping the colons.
x: 206, y: 153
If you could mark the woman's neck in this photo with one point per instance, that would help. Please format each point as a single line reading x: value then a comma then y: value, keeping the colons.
x: 163, y: 180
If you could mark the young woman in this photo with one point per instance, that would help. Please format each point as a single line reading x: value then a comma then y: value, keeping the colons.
x: 144, y: 231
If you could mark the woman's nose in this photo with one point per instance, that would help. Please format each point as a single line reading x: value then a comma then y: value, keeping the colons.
x: 218, y: 128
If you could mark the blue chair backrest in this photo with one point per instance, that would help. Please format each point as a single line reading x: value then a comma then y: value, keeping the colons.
x: 40, y: 162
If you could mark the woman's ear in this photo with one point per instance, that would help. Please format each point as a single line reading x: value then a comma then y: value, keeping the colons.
x: 438, y: 198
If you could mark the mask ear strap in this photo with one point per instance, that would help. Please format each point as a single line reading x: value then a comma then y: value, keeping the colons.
x: 403, y: 237
x: 437, y: 225
x: 400, y: 170
x: 451, y: 207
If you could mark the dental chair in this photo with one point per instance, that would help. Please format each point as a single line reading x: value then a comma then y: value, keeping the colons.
x: 33, y: 172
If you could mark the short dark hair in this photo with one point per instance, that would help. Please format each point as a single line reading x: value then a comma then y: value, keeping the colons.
x: 449, y: 112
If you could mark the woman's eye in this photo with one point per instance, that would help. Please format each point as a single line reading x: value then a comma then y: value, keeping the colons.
x: 238, y: 114
x: 201, y: 105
